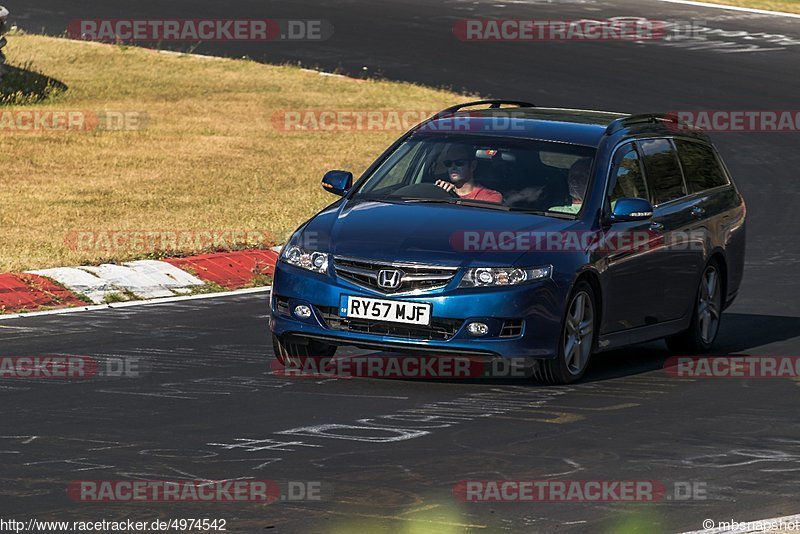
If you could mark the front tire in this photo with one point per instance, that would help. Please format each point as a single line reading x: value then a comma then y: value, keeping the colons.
x: 706, y: 316
x: 576, y: 343
x: 292, y: 354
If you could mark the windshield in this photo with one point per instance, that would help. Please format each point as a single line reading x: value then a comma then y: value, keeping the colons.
x: 500, y: 173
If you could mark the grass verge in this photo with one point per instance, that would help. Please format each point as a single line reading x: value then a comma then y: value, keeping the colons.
x: 787, y: 6
x: 209, y: 159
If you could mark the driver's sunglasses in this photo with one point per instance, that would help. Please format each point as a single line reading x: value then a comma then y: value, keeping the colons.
x: 456, y: 162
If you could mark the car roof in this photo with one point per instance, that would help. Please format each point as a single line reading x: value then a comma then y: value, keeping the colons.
x: 574, y: 126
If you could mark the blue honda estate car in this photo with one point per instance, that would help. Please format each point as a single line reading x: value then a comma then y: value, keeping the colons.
x: 512, y: 231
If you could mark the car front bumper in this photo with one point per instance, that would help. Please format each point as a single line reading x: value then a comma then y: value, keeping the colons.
x: 530, y: 313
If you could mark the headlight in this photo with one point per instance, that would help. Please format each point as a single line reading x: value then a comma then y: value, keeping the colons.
x: 305, y: 259
x: 503, y: 276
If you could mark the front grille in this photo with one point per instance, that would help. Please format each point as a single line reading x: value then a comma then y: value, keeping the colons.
x: 511, y: 328
x: 413, y: 276
x: 439, y: 329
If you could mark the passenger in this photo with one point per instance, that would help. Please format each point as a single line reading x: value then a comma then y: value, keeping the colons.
x: 577, y: 181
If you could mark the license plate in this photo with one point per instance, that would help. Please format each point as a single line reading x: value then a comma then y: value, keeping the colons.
x: 391, y: 311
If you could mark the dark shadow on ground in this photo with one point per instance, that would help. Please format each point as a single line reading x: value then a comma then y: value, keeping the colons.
x: 739, y: 334
x: 25, y: 86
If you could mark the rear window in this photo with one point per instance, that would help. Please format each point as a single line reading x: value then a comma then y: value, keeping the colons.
x: 626, y: 175
x: 664, y: 178
x: 700, y: 167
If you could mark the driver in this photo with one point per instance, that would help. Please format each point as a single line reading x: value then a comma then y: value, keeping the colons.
x: 460, y: 162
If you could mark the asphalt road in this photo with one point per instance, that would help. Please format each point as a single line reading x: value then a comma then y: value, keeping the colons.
x: 205, y: 407
x: 205, y: 387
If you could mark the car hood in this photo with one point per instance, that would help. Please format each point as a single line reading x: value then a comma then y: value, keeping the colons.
x: 427, y: 233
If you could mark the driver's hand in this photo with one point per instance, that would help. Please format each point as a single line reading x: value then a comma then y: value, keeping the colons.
x: 447, y: 186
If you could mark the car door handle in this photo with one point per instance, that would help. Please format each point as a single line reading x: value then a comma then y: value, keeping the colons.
x: 656, y: 226
x: 697, y: 211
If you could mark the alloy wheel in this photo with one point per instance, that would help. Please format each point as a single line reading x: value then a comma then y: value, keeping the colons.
x: 578, y: 332
x: 708, y: 304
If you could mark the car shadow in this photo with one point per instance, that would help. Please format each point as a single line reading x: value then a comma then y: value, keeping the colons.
x: 739, y: 333
x: 25, y: 86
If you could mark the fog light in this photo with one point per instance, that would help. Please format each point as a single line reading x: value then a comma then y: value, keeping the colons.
x: 477, y: 329
x: 302, y: 311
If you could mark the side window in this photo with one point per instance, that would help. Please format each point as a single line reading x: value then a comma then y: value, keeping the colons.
x: 397, y: 174
x: 700, y: 166
x: 398, y: 165
x: 626, y: 177
x: 664, y: 178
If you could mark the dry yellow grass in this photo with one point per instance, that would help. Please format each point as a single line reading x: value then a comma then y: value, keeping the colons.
x: 788, y: 6
x: 209, y: 159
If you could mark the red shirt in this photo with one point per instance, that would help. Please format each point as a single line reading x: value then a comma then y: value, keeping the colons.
x: 483, y: 193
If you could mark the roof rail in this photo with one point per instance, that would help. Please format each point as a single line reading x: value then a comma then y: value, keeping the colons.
x: 493, y: 104
x: 644, y: 118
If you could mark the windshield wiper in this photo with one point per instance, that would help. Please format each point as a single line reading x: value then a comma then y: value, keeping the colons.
x: 479, y: 204
x: 468, y: 202
x: 423, y: 200
x: 458, y: 202
x: 545, y: 213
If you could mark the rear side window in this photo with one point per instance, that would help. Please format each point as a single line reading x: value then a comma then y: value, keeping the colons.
x: 700, y: 167
x: 627, y: 179
x: 664, y: 178
x: 558, y: 159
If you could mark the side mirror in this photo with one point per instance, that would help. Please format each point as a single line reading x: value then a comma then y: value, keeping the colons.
x: 337, y: 182
x: 631, y: 209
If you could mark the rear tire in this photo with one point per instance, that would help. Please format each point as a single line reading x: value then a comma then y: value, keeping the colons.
x: 290, y: 353
x: 576, y: 342
x: 706, y: 315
